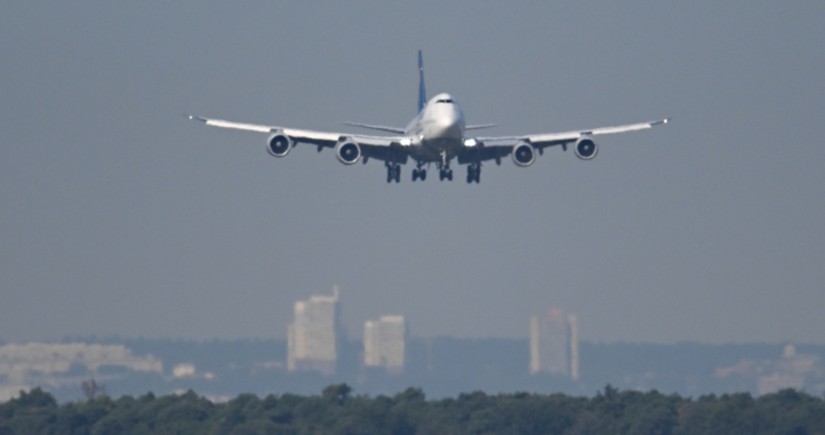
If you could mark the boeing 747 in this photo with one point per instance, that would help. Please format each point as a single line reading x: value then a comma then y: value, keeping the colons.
x: 437, y: 135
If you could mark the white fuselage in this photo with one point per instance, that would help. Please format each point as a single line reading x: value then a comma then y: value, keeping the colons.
x: 438, y: 130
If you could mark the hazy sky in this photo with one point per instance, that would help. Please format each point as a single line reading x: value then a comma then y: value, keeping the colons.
x: 120, y: 217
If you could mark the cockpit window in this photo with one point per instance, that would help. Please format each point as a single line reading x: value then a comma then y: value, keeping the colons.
x: 446, y: 100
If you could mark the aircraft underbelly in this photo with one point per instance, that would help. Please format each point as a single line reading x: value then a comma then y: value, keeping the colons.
x: 432, y: 150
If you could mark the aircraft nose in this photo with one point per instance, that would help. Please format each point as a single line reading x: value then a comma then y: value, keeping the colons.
x: 448, y: 128
x: 448, y: 125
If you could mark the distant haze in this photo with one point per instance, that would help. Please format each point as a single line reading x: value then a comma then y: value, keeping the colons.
x: 120, y: 217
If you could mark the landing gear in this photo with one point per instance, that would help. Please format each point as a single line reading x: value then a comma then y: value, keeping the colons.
x: 445, y: 174
x: 393, y: 172
x: 444, y: 171
x: 419, y: 173
x: 474, y: 173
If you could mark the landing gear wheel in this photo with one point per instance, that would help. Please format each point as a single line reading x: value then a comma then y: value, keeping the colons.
x: 474, y: 173
x: 419, y: 174
x: 445, y: 174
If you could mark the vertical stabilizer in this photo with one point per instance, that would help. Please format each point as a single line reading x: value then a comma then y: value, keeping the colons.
x: 422, y: 93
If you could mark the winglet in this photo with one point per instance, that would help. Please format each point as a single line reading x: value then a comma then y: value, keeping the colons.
x: 422, y: 93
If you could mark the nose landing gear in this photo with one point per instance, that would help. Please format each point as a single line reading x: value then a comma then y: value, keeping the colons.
x: 393, y: 172
x: 445, y: 174
x: 444, y: 171
x: 474, y: 173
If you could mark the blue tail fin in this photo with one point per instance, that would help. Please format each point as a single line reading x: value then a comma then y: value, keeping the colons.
x: 422, y: 93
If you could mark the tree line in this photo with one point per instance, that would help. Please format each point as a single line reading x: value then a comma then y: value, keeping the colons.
x: 337, y: 411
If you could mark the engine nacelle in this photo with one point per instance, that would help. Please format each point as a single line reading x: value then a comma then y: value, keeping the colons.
x: 278, y: 145
x: 524, y: 154
x: 348, y: 152
x: 586, y: 149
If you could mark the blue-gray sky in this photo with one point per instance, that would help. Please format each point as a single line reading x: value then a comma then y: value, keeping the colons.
x: 119, y: 217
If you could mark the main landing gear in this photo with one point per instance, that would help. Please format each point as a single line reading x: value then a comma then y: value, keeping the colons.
x: 474, y: 173
x: 393, y: 172
x: 419, y: 174
x: 445, y: 174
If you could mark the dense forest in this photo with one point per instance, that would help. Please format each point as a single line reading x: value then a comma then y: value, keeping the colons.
x: 337, y: 411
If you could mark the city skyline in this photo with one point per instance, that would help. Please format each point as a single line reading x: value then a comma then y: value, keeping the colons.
x: 315, y: 340
x: 444, y: 366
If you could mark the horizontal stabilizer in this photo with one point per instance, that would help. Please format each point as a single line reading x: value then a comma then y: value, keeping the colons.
x: 478, y: 126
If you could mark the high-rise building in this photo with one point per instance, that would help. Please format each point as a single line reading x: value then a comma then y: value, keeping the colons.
x: 313, y: 336
x: 385, y: 343
x: 573, y: 321
x: 554, y: 344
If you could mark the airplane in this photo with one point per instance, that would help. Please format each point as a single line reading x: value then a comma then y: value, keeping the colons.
x: 436, y: 135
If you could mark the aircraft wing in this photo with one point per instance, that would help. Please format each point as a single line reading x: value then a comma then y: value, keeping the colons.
x: 387, y: 148
x: 376, y: 127
x: 496, y: 147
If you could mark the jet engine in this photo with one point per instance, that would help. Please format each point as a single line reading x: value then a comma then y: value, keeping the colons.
x: 278, y: 145
x: 586, y: 149
x: 348, y: 152
x: 524, y: 154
